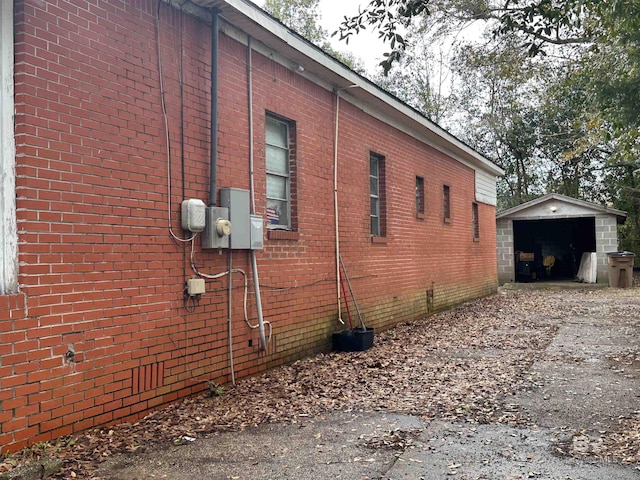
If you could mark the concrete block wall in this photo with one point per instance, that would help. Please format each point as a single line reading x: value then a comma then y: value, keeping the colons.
x: 504, y: 242
x: 606, y: 241
x: 99, y: 271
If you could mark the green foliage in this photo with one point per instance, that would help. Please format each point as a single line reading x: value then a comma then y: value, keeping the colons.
x: 552, y: 95
x: 421, y: 79
x: 299, y: 15
x: 303, y: 16
x: 496, y: 96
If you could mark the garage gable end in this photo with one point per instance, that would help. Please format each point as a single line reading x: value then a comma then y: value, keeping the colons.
x: 559, y: 206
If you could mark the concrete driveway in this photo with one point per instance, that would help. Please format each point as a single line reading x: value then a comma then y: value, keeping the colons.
x: 582, y: 384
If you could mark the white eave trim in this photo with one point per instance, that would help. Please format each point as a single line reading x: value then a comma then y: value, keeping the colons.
x: 8, y: 227
x: 597, y: 209
x: 439, y: 137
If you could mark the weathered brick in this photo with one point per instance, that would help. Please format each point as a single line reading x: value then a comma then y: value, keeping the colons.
x: 99, y: 272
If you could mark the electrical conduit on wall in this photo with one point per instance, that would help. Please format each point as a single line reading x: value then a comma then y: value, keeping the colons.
x: 213, y: 160
x: 254, y: 262
x: 335, y: 206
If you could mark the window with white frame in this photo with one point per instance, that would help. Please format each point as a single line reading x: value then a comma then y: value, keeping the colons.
x: 279, y: 172
x: 377, y: 195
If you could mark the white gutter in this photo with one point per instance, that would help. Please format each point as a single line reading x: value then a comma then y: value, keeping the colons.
x: 8, y: 225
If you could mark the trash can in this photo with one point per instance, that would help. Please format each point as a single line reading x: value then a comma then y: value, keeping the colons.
x: 621, y: 269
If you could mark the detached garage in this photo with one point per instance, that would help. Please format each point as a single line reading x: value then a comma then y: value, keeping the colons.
x: 545, y: 239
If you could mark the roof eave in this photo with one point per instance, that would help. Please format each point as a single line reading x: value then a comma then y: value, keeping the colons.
x: 510, y: 212
x: 266, y: 29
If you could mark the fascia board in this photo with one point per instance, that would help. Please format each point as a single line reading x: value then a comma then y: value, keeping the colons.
x: 515, y: 213
x: 275, y: 35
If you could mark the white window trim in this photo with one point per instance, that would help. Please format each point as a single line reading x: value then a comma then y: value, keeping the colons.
x: 287, y: 177
x: 377, y: 197
x: 8, y: 225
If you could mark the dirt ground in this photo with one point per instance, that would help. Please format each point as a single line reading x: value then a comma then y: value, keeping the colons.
x: 525, y: 384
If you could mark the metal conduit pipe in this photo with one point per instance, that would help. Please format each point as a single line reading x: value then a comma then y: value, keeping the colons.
x: 335, y: 198
x: 229, y: 324
x: 335, y: 206
x: 254, y: 261
x: 213, y: 160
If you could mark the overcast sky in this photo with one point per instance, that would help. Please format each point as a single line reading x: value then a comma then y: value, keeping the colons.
x: 365, y: 45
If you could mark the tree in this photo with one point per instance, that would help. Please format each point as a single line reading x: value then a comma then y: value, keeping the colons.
x: 303, y: 17
x: 300, y: 15
x: 537, y: 22
x: 552, y: 94
x: 497, y: 114
x: 421, y: 79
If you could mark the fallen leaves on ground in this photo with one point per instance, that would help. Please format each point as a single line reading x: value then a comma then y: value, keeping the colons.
x: 393, y: 440
x: 460, y: 364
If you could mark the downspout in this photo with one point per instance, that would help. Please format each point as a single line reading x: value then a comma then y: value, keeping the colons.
x: 254, y: 262
x: 335, y: 206
x: 213, y: 160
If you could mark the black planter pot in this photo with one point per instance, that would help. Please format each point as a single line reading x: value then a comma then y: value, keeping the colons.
x: 355, y: 340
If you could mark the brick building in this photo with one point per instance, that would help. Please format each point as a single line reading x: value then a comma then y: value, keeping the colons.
x: 107, y: 122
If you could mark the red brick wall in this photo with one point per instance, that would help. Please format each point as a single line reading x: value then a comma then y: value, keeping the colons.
x: 99, y: 272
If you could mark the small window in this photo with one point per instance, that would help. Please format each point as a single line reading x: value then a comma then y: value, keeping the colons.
x: 419, y: 197
x: 475, y: 221
x: 376, y: 195
x: 279, y: 163
x: 446, y: 203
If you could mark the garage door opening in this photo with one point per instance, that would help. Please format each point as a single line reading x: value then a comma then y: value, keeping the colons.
x: 551, y: 249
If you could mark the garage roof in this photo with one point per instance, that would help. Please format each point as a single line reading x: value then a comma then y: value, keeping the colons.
x: 555, y: 205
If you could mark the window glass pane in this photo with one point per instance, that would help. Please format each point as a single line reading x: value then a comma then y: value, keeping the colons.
x: 276, y: 133
x: 277, y: 213
x: 375, y: 226
x: 474, y: 220
x: 376, y: 193
x: 373, y: 186
x: 419, y: 195
x: 276, y: 187
x: 279, y: 164
x: 446, y: 202
x: 277, y: 160
x: 373, y: 166
x: 374, y: 207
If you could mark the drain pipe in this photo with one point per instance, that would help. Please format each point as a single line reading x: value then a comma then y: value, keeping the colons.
x: 254, y: 261
x: 213, y: 160
x: 335, y: 206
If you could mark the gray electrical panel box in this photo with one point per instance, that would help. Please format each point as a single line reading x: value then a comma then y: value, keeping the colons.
x: 237, y: 201
x: 213, y: 236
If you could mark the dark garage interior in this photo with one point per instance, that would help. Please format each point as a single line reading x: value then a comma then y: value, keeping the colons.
x: 551, y: 249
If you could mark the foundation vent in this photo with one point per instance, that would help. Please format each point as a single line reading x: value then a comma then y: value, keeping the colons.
x: 147, y: 377
x: 430, y: 300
